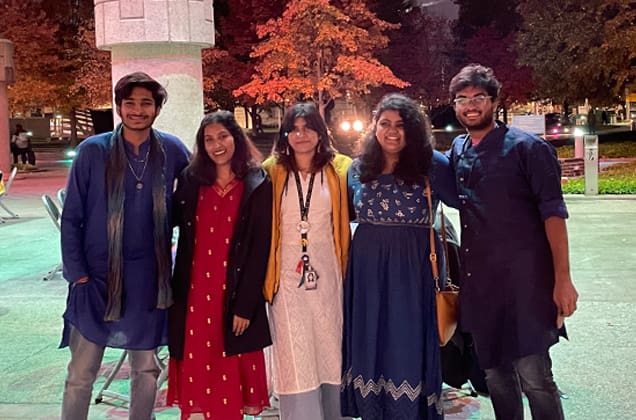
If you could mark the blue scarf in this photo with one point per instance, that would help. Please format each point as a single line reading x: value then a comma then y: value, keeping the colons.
x: 116, y: 168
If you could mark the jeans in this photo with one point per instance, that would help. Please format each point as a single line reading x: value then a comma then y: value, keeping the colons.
x: 533, y: 375
x: 22, y: 153
x: 86, y: 358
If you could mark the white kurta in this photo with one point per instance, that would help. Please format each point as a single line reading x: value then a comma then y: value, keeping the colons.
x: 306, y: 325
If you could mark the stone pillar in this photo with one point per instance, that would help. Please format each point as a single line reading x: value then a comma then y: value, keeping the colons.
x: 7, y: 77
x: 163, y: 39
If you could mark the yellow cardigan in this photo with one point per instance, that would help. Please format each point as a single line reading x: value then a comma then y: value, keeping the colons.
x: 336, y: 174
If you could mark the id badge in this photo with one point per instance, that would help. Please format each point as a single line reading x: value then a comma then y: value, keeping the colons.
x: 311, y: 279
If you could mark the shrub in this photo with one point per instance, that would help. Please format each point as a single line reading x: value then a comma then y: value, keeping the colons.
x: 616, y: 179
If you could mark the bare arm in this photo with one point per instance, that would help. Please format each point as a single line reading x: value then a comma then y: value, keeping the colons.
x: 565, y: 294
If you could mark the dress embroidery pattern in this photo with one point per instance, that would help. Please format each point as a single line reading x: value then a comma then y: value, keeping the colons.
x: 384, y: 286
x: 387, y: 202
x: 382, y: 385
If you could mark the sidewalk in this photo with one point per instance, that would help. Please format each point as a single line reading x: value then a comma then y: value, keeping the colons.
x: 595, y: 368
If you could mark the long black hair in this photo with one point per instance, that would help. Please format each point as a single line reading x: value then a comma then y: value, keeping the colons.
x: 414, y: 160
x: 245, y: 156
x: 283, y: 152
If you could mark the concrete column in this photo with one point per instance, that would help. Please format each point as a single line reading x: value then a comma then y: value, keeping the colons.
x: 163, y: 39
x: 7, y: 76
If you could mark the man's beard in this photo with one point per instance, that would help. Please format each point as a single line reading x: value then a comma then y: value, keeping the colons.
x: 485, y: 121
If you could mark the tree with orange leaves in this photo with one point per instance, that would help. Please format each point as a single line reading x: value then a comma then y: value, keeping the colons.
x: 36, y: 54
x: 57, y: 62
x: 318, y: 51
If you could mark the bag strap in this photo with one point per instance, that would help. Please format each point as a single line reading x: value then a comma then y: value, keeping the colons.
x: 433, y: 254
x: 444, y: 241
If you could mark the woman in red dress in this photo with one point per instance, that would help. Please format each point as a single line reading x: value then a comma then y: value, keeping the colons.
x: 218, y: 325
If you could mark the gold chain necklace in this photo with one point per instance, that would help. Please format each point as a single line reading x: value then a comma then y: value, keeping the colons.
x: 139, y: 184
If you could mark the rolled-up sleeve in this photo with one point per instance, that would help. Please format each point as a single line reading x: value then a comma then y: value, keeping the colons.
x: 544, y: 173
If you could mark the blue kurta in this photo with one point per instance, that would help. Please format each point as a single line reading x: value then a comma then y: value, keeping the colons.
x: 391, y: 356
x: 85, y: 247
x: 508, y: 185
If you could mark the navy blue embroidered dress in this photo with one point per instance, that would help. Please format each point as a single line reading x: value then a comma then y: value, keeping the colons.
x: 391, y: 357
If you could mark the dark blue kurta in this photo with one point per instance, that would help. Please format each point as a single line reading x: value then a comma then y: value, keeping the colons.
x: 391, y: 356
x: 508, y: 185
x: 85, y: 248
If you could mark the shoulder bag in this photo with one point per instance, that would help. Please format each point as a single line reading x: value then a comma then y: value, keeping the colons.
x: 447, y: 300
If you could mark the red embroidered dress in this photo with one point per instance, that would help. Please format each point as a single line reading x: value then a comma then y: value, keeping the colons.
x: 206, y: 381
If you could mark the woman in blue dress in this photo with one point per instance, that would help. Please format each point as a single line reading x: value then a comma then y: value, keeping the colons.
x: 391, y: 357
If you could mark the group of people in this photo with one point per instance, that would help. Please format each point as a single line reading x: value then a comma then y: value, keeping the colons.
x: 265, y: 256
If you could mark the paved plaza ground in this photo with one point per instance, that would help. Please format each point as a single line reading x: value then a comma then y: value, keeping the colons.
x: 595, y: 368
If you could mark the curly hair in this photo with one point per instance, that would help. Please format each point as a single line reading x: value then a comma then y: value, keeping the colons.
x: 284, y: 154
x: 414, y: 160
x: 245, y: 156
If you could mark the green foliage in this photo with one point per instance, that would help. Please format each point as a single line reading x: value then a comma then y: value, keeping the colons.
x: 579, y: 48
x: 617, y: 179
x: 606, y: 150
x: 565, y: 152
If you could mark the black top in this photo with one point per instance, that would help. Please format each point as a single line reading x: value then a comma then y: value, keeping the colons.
x: 247, y: 264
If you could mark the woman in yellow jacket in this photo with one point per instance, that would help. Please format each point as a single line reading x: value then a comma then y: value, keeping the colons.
x: 308, y: 255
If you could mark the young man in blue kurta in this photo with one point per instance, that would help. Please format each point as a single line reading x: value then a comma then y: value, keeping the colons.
x: 516, y: 284
x: 116, y: 237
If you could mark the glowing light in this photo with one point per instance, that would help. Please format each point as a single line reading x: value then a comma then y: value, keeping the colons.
x: 71, y: 153
x: 357, y: 125
x: 449, y: 127
x: 578, y: 132
x: 345, y: 126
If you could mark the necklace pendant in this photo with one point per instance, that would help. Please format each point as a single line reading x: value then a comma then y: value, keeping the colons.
x: 303, y: 226
x: 139, y: 185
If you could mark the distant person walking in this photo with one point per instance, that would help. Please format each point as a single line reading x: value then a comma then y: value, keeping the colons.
x: 591, y: 121
x: 116, y: 239
x: 20, y: 144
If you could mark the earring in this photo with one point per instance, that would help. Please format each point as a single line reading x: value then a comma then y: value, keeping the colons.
x: 287, y: 150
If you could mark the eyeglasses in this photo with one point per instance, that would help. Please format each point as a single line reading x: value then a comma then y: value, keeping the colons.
x: 477, y: 100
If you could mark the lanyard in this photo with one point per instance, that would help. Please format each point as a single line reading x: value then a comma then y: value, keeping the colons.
x: 303, y: 225
x: 308, y: 275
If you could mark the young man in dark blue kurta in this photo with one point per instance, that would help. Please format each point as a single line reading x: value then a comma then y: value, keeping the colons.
x: 516, y: 284
x: 116, y: 237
